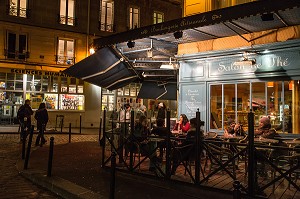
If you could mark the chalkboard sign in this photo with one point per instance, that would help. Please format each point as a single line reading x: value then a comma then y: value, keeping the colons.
x: 192, y: 98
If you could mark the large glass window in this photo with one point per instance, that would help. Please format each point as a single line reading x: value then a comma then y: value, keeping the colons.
x: 67, y: 12
x: 18, y: 8
x: 107, y: 16
x: 158, y: 17
x: 278, y: 100
x: 65, y: 54
x: 134, y: 16
x: 16, y: 47
x: 71, y: 102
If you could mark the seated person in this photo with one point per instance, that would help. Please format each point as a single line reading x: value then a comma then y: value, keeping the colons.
x: 265, y: 129
x: 233, y: 129
x: 160, y: 128
x: 183, y: 151
x: 141, y: 130
x: 183, y: 124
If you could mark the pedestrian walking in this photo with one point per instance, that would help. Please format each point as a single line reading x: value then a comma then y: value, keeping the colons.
x: 41, y: 116
x: 24, y: 116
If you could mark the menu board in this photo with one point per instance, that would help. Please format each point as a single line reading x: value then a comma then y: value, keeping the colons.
x: 192, y: 99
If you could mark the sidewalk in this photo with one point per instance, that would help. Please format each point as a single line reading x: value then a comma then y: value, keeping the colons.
x: 13, y: 129
x: 77, y: 173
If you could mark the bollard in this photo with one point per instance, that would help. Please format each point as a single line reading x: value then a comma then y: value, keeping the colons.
x: 49, y: 170
x: 70, y: 132
x: 237, y: 194
x: 23, y: 146
x: 80, y: 124
x: 62, y: 124
x: 28, y: 148
x: 168, y: 148
x: 112, y: 176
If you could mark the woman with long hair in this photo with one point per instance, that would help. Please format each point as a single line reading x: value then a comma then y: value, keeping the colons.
x: 183, y: 124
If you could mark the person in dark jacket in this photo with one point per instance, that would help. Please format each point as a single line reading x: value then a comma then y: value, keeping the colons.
x: 24, y: 116
x: 161, y: 114
x: 41, y: 116
x: 265, y: 130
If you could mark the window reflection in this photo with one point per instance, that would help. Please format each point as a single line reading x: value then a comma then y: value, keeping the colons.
x: 278, y: 100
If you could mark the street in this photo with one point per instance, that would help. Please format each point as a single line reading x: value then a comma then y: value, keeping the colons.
x: 12, y: 184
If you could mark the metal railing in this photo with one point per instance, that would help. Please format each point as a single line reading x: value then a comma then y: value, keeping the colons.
x: 204, y: 160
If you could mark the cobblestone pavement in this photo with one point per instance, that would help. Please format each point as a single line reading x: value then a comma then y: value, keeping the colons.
x: 12, y: 185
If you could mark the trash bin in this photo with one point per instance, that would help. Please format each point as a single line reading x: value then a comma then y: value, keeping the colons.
x: 59, y: 122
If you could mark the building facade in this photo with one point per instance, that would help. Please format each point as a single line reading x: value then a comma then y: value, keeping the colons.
x: 39, y: 39
x: 227, y: 77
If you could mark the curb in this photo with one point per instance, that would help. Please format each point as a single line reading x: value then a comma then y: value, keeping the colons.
x: 56, y: 185
x: 59, y: 186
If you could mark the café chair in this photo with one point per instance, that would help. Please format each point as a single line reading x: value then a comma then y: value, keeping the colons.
x: 221, y: 153
x: 180, y: 156
x: 286, y: 162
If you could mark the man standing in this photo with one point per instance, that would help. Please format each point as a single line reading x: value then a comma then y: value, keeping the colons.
x: 24, y: 117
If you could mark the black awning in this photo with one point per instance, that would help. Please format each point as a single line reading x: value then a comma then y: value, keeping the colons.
x: 158, y: 90
x: 106, y: 68
x: 227, y: 21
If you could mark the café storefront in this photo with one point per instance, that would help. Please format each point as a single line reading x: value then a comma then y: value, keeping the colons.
x: 229, y: 84
x: 61, y: 93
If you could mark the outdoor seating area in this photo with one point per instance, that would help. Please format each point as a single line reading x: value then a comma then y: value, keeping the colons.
x: 210, y: 159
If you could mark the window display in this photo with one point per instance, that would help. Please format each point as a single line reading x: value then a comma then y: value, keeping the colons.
x: 71, y: 102
x: 277, y: 100
x: 51, y: 101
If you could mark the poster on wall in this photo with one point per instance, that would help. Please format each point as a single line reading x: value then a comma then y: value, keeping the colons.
x: 71, y: 102
x: 51, y: 101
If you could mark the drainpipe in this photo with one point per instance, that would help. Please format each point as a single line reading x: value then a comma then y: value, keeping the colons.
x: 88, y: 28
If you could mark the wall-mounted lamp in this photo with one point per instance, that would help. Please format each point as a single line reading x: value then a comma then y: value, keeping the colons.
x: 178, y: 34
x: 130, y: 44
x: 267, y: 17
x: 92, y: 50
x: 290, y: 85
x: 169, y: 66
x: 270, y: 84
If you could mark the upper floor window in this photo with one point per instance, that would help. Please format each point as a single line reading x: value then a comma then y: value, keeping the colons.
x: 16, y: 47
x: 65, y: 52
x: 18, y: 8
x: 158, y: 17
x: 67, y: 14
x: 107, y: 16
x: 134, y: 16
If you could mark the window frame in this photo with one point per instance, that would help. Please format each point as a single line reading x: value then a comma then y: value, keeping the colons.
x: 155, y: 17
x: 17, y: 10
x: 66, y: 59
x: 16, y: 54
x: 131, y: 17
x: 104, y: 25
x: 66, y: 19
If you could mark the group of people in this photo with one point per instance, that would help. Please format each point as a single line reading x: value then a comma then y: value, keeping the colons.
x: 24, y: 116
x: 264, y: 130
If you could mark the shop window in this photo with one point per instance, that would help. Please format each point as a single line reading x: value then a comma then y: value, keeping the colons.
x: 34, y: 83
x: 16, y: 46
x: 67, y: 12
x: 106, y: 16
x: 64, y: 85
x: 71, y: 102
x: 65, y: 52
x: 134, y: 16
x: 80, y: 86
x: 2, y: 81
x: 51, y: 101
x: 18, y: 8
x: 278, y: 100
x: 158, y: 17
